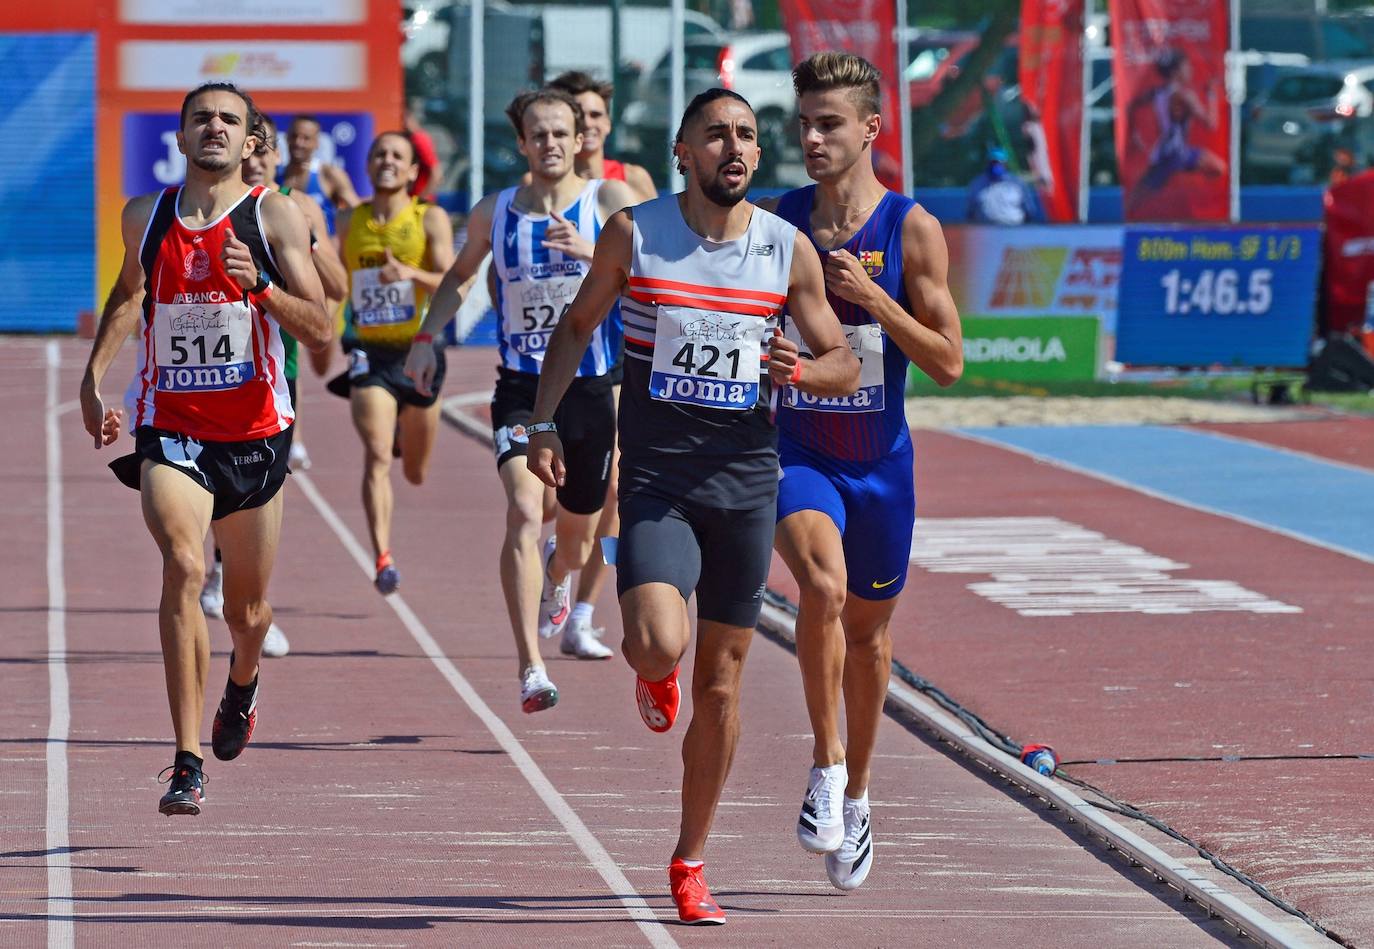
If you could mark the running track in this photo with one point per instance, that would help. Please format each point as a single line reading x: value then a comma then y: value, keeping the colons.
x: 394, y: 795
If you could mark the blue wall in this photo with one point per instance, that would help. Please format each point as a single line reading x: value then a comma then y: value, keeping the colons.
x: 47, y: 179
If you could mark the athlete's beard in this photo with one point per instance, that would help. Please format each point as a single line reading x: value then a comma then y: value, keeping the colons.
x: 721, y: 194
x: 211, y: 162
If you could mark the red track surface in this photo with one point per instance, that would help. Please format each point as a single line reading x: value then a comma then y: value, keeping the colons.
x: 1129, y: 685
x: 1349, y: 440
x: 375, y: 808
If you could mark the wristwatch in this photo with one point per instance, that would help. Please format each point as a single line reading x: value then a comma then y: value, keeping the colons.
x: 539, y: 428
x: 263, y: 285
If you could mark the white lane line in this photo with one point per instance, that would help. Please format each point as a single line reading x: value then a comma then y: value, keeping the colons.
x: 1160, y: 495
x: 60, y: 906
x: 591, y: 848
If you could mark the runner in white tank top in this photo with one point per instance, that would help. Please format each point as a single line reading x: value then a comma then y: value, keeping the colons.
x: 702, y: 277
x: 542, y: 237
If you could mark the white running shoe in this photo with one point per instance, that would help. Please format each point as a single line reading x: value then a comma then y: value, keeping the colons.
x: 820, y: 828
x: 299, y: 458
x: 275, y: 645
x: 212, y: 594
x: 536, y: 691
x: 554, y: 605
x: 848, y: 867
x: 580, y: 640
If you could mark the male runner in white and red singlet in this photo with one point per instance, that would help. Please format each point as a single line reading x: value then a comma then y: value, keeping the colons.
x: 216, y: 270
x: 702, y: 279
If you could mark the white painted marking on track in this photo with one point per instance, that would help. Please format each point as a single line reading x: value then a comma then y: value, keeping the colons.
x: 1045, y: 566
x: 61, y: 908
x: 586, y: 841
x: 1161, y: 496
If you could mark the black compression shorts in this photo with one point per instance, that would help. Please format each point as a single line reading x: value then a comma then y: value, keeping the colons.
x: 723, y: 555
x: 586, y: 427
x: 385, y: 369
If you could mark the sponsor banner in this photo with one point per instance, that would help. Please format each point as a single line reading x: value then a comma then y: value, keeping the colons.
x: 242, y: 12
x: 1172, y: 118
x: 178, y: 65
x: 868, y: 29
x: 153, y: 162
x: 1235, y: 296
x: 1035, y: 271
x: 1051, y: 76
x: 1349, y: 265
x: 1031, y: 349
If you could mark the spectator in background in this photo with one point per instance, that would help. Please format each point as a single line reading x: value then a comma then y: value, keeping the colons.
x: 998, y: 196
x: 431, y: 173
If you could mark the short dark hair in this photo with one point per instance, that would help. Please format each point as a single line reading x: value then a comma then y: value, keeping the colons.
x: 397, y: 133
x: 522, y: 103
x: 252, y: 119
x: 575, y: 82
x: 305, y: 117
x: 702, y: 100
x: 824, y: 72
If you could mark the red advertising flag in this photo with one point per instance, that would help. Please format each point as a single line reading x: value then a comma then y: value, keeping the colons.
x: 1348, y: 267
x: 1051, y: 76
x: 1172, y: 120
x: 867, y: 28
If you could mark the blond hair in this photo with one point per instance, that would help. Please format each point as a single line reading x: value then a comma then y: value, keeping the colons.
x: 823, y: 72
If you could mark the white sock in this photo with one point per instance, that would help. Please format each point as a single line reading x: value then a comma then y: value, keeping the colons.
x: 582, y: 613
x: 857, y: 801
x: 693, y: 863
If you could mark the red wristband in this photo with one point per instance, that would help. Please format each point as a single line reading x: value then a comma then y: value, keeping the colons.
x: 424, y: 338
x: 796, y: 373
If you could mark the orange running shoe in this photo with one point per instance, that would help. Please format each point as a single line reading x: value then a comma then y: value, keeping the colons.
x: 695, y: 906
x: 658, y: 701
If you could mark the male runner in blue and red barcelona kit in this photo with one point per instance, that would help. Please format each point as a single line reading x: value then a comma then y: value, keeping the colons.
x: 847, y: 503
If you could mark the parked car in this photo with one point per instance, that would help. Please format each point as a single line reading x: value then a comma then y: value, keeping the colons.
x: 1309, y: 112
x: 756, y: 65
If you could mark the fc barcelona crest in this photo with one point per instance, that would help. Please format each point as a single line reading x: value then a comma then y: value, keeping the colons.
x: 871, y: 261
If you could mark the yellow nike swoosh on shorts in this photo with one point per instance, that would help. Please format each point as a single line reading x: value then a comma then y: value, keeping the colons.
x: 879, y: 586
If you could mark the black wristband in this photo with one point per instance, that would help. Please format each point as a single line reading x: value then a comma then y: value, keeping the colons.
x: 263, y: 283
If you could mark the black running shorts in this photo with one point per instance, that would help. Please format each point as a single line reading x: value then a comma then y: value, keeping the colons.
x: 586, y: 427
x: 385, y: 369
x: 723, y: 555
x: 241, y: 475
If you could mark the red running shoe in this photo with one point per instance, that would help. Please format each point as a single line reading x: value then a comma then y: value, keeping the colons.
x: 658, y: 701
x: 695, y: 906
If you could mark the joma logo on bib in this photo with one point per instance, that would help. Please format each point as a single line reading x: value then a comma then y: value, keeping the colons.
x: 869, y: 399
x: 711, y: 393
x: 203, y: 378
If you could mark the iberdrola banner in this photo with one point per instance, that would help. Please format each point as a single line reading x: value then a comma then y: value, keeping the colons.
x: 1172, y: 120
x: 867, y: 28
x: 1051, y: 76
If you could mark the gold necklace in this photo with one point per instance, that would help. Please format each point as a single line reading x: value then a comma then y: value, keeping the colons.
x: 854, y: 215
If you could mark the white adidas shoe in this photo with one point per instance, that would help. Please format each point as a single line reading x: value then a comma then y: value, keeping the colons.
x: 275, y: 645
x: 554, y: 605
x: 580, y: 640
x: 212, y: 594
x: 848, y: 867
x: 299, y: 458
x: 820, y: 828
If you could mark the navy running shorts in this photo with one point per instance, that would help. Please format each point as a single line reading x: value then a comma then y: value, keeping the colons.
x: 873, y: 504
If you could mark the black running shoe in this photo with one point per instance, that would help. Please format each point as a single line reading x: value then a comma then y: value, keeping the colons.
x: 186, y: 793
x: 238, y: 713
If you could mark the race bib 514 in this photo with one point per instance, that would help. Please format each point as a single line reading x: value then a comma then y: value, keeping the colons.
x: 202, y: 346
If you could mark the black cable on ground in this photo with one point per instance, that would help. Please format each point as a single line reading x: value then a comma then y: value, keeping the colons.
x: 1108, y: 803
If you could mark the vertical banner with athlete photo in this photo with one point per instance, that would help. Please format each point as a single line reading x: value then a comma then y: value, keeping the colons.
x: 868, y: 29
x: 1172, y: 119
x: 1051, y: 77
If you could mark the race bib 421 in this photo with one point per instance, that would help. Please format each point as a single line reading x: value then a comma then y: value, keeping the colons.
x: 706, y: 358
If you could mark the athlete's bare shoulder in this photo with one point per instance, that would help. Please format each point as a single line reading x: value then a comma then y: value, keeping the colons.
x: 920, y: 228
x: 615, y: 195
x: 281, y: 214
x: 639, y: 179
x: 133, y: 220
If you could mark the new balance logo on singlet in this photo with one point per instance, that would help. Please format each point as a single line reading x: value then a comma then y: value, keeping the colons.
x: 762, y: 250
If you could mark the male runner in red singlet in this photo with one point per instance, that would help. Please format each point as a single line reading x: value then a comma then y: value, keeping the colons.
x: 216, y: 269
